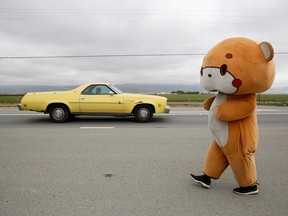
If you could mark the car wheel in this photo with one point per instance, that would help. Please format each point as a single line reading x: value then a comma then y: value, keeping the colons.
x: 59, y: 113
x: 143, y: 114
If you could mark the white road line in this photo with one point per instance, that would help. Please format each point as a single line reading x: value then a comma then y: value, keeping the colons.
x: 172, y: 113
x: 20, y: 114
x: 97, y: 127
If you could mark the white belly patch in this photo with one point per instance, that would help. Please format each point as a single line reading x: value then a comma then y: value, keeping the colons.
x: 218, y: 128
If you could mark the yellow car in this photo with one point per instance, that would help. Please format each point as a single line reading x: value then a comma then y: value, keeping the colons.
x: 94, y: 99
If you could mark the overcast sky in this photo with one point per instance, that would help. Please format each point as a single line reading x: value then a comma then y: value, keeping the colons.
x: 33, y: 28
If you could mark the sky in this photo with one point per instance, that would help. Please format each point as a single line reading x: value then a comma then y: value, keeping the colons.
x: 84, y: 32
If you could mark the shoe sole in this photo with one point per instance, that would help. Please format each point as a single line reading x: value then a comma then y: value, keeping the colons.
x: 247, y: 193
x: 201, y: 183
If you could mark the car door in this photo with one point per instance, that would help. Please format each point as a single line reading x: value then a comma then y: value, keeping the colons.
x: 100, y: 99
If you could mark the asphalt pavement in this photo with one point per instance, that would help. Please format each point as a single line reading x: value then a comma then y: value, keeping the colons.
x: 115, y: 166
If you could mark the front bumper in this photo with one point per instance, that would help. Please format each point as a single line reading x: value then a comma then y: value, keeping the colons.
x: 167, y: 109
x: 20, y: 107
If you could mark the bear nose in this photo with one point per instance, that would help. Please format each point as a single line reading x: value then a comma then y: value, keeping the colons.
x: 209, y: 75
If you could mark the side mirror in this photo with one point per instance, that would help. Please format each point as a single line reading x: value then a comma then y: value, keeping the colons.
x: 111, y: 93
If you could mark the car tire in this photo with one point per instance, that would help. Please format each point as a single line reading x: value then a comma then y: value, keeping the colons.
x: 59, y: 113
x: 143, y: 114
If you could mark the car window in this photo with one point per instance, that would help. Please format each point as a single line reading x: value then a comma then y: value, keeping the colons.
x: 115, y: 89
x: 97, y: 90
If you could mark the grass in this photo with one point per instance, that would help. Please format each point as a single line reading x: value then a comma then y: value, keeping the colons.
x: 264, y: 99
x: 273, y: 98
x: 10, y: 99
x: 186, y: 97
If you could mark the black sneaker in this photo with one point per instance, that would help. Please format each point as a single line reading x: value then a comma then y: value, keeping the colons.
x: 204, y: 180
x: 246, y: 190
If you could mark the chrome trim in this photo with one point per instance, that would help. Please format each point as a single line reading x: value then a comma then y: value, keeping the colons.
x: 101, y: 113
x: 167, y: 109
x: 20, y: 107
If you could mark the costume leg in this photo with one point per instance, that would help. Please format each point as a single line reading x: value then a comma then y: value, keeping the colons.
x: 244, y: 169
x: 216, y: 162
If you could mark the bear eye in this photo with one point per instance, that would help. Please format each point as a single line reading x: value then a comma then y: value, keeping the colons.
x: 223, y: 69
x: 229, y: 56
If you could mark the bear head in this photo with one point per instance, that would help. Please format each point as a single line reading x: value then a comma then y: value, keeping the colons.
x: 238, y: 66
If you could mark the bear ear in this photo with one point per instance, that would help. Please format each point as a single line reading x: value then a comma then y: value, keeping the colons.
x: 267, y: 50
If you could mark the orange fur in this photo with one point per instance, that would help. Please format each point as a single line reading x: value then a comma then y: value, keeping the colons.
x: 232, y: 116
x: 248, y: 63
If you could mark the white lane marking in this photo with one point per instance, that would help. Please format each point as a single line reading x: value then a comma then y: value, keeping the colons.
x: 97, y: 127
x: 20, y: 114
x: 175, y: 113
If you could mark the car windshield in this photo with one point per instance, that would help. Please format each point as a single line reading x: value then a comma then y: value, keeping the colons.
x: 118, y: 91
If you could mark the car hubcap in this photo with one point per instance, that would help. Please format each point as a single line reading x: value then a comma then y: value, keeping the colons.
x: 143, y: 113
x: 58, y: 113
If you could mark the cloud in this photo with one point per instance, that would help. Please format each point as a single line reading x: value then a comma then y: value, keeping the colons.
x: 62, y: 27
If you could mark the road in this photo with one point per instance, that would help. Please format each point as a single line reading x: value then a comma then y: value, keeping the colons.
x: 114, y: 166
x: 179, y: 117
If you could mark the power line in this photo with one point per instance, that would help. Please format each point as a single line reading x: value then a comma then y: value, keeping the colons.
x: 138, y: 21
x: 113, y: 55
x: 148, y: 10
x: 281, y: 53
x: 102, y: 56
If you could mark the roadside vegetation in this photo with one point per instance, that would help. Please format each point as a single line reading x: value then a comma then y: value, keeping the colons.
x: 178, y: 97
x: 262, y: 99
x: 10, y: 99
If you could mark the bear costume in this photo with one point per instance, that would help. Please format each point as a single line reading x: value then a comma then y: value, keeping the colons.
x: 236, y: 68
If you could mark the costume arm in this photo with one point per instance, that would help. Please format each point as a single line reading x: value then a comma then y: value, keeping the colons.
x: 207, y: 103
x: 235, y: 110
